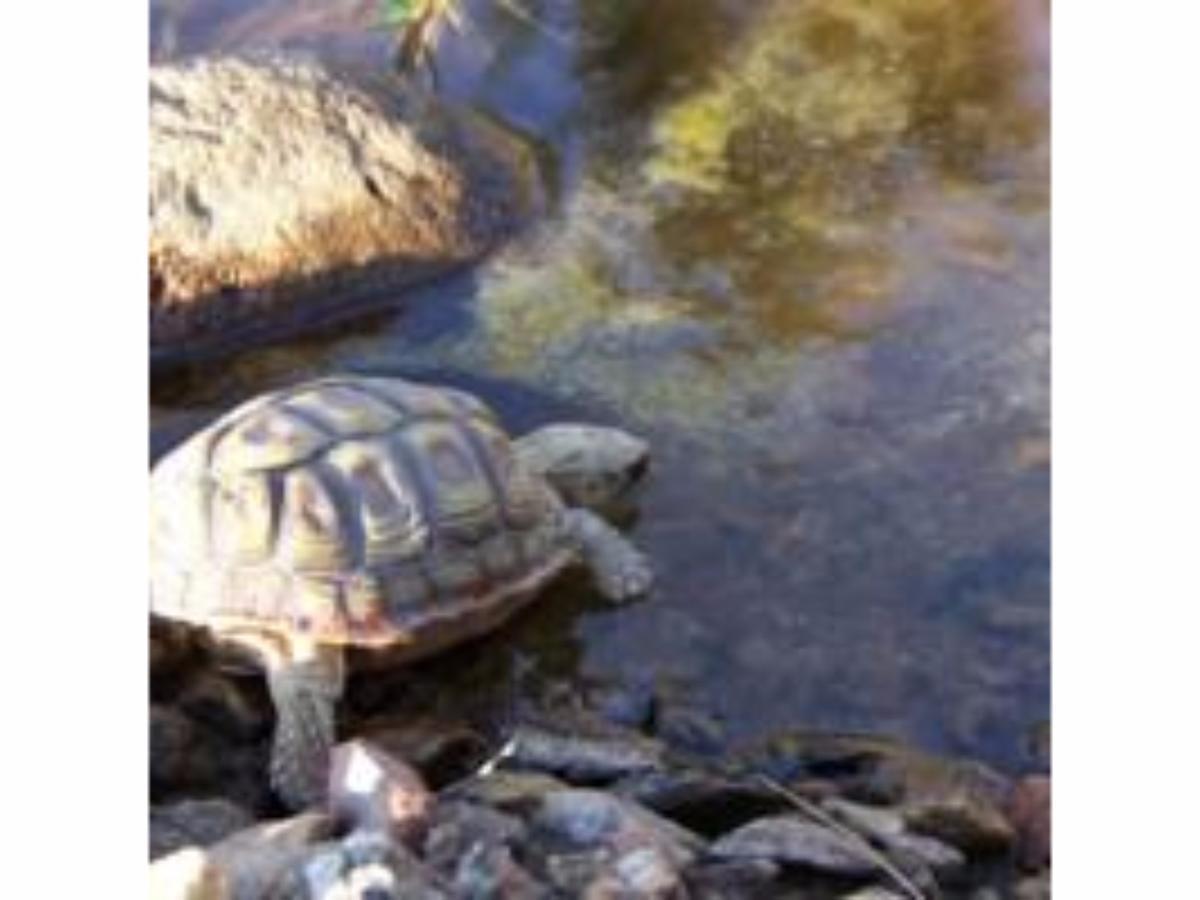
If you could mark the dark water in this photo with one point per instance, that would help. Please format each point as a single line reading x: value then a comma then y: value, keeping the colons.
x: 804, y: 248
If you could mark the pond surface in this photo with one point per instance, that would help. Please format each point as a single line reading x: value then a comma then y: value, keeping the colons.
x: 803, y: 247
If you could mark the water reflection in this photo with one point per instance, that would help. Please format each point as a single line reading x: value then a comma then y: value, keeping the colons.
x: 804, y: 247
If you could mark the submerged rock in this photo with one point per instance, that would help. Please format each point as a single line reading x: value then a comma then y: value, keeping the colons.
x: 284, y: 195
x: 792, y: 840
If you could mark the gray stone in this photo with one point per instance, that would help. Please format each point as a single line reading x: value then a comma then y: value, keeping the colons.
x: 284, y: 194
x: 265, y: 860
x: 580, y: 758
x: 459, y: 826
x: 194, y: 823
x: 1034, y: 888
x: 513, y: 791
x: 490, y: 873
x: 187, y: 874
x: 587, y: 818
x: 793, y: 840
x: 887, y: 828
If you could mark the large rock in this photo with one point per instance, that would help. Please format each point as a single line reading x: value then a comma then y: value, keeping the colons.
x: 284, y: 195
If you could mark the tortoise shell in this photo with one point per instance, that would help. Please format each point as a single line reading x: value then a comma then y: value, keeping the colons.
x: 352, y: 510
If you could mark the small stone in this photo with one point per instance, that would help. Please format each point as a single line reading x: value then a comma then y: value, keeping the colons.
x: 646, y: 872
x: 705, y: 802
x: 1034, y: 888
x: 194, y: 823
x: 264, y: 857
x: 226, y: 706
x: 718, y: 880
x: 886, y: 827
x: 792, y: 840
x: 1029, y: 812
x: 371, y: 789
x: 187, y: 874
x: 928, y: 852
x: 582, y: 759
x: 458, y: 826
x: 490, y: 873
x: 588, y: 818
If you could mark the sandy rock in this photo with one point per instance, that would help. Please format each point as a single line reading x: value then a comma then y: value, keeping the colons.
x: 187, y: 874
x: 284, y: 195
x: 194, y: 823
x: 792, y: 840
x: 373, y: 790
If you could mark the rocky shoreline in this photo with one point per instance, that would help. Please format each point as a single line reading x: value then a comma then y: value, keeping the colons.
x: 621, y: 793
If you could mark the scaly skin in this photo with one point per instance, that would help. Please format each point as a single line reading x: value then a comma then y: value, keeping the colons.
x: 620, y: 569
x: 305, y: 690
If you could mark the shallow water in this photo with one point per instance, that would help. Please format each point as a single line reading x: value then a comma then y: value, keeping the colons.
x: 804, y: 248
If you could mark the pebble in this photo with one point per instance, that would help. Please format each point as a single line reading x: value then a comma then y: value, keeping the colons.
x: 459, y: 826
x: 588, y: 818
x: 187, y: 874
x: 792, y: 840
x: 1035, y: 888
x: 513, y: 791
x: 491, y: 873
x: 373, y: 790
x: 266, y: 856
x: 194, y: 823
x: 582, y: 759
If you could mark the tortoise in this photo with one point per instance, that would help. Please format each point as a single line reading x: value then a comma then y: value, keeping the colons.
x: 377, y: 513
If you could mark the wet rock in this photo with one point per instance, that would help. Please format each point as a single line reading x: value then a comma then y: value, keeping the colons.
x: 227, y: 705
x: 458, y: 826
x: 442, y: 750
x: 584, y: 819
x: 369, y: 866
x: 689, y: 730
x: 490, y: 873
x: 1035, y: 888
x: 582, y: 759
x: 886, y: 828
x: 188, y: 874
x: 720, y: 880
x: 641, y: 872
x: 194, y: 823
x: 630, y: 706
x: 370, y: 789
x: 961, y: 812
x: 263, y: 861
x: 514, y: 791
x: 284, y: 194
x: 792, y: 840
x: 1029, y: 812
x: 174, y: 759
x: 705, y: 802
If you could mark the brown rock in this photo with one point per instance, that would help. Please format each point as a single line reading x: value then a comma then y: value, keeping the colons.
x: 371, y: 789
x: 1029, y: 812
x: 284, y: 195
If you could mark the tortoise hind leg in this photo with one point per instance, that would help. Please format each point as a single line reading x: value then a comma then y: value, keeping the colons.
x: 620, y: 569
x: 305, y: 689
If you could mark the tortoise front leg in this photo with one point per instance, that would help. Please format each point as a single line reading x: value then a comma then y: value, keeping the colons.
x: 305, y: 688
x: 620, y: 569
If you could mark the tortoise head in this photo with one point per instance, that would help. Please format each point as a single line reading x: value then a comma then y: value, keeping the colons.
x: 589, y: 465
